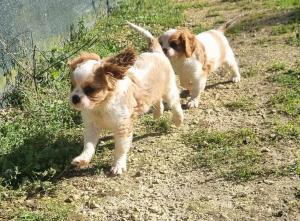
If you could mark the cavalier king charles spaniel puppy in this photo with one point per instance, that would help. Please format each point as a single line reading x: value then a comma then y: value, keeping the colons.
x: 193, y: 57
x: 109, y: 92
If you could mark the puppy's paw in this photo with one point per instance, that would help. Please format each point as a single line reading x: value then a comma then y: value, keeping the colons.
x: 177, y: 119
x: 118, y: 169
x: 80, y: 162
x: 236, y: 79
x: 193, y: 103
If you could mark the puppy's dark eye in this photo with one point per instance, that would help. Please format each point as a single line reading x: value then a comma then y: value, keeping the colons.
x: 173, y: 45
x: 88, y: 90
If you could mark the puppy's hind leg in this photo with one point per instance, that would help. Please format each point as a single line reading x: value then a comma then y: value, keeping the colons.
x: 173, y: 100
x: 232, y: 64
x: 158, y: 109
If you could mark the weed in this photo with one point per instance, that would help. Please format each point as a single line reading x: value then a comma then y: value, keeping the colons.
x: 242, y: 103
x: 288, y: 99
x: 295, y: 39
x: 282, y: 4
x: 283, y: 29
x: 277, y: 67
x: 288, y: 131
x: 250, y: 72
x: 53, y: 210
x: 212, y: 14
x: 161, y: 125
x: 231, y: 154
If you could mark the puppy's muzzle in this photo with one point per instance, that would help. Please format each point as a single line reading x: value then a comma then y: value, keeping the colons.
x: 75, y: 99
x: 165, y: 50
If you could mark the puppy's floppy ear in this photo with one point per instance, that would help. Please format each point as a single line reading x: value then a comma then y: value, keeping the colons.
x: 81, y: 58
x: 117, y: 65
x: 189, y: 41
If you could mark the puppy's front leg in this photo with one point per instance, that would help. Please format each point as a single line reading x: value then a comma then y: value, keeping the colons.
x: 198, y: 87
x: 91, y: 137
x: 123, y: 140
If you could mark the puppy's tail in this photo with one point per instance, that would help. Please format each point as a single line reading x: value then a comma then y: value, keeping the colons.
x: 153, y: 42
x: 223, y: 28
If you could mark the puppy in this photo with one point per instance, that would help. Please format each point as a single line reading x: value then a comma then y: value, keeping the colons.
x: 110, y: 92
x: 193, y: 57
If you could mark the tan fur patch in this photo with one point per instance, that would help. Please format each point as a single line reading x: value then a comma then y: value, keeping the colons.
x: 220, y: 43
x: 202, y: 57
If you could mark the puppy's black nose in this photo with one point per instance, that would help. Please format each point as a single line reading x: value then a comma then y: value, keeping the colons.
x: 165, y: 50
x: 75, y: 99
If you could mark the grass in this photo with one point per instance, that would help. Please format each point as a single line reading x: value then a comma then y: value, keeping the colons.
x: 250, y: 72
x: 231, y: 154
x: 241, y: 103
x: 282, y: 4
x: 52, y: 210
x: 283, y: 29
x: 287, y: 100
x: 161, y: 125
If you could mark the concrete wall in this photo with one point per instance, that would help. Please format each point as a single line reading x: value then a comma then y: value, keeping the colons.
x: 42, y: 21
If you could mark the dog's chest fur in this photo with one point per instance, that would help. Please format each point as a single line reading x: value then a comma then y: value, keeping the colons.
x: 188, y: 69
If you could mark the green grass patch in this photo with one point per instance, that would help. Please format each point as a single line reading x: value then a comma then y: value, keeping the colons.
x: 49, y: 209
x: 288, y: 131
x: 283, y: 4
x: 231, y: 154
x: 161, y: 125
x: 283, y: 29
x: 241, y: 103
x: 250, y: 72
x: 288, y: 98
x: 295, y: 39
x: 287, y: 102
x: 278, y: 66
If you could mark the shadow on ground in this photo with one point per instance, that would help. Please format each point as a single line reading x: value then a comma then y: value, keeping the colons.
x: 103, y: 165
x: 40, y: 157
x: 43, y: 157
x: 252, y: 23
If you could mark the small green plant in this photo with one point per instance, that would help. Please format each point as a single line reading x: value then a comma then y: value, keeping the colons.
x: 288, y: 98
x: 277, y: 67
x: 161, y: 125
x: 288, y: 131
x: 242, y: 103
x: 283, y: 4
x: 231, y: 154
x: 295, y: 39
x: 212, y: 14
x: 53, y: 210
x: 250, y: 72
x: 283, y: 29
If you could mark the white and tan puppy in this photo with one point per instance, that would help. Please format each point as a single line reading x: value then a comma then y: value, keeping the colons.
x: 110, y: 92
x: 193, y: 57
